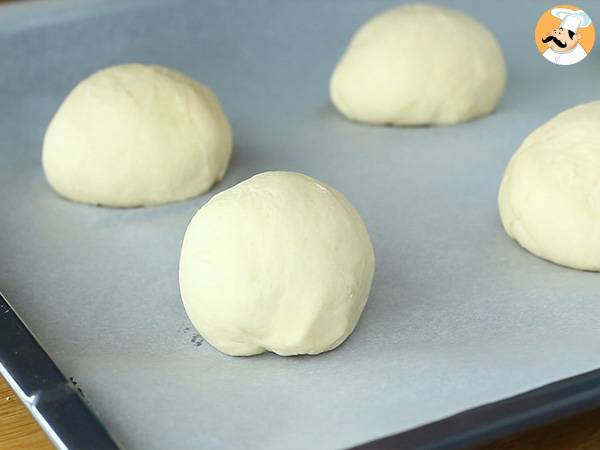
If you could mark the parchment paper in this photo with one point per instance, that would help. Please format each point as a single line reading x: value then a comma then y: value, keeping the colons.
x: 459, y: 315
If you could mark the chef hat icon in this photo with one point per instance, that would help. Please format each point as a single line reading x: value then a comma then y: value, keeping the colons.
x: 572, y: 20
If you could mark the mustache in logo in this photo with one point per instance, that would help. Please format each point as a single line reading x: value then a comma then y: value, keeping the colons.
x: 556, y: 41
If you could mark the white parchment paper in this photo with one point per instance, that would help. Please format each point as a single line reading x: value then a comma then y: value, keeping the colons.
x: 459, y: 315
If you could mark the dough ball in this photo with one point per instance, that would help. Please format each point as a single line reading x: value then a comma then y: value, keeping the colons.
x: 419, y: 64
x: 136, y: 135
x: 550, y: 195
x: 280, y: 262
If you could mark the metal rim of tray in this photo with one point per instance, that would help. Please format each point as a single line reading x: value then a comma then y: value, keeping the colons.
x: 70, y: 423
x: 53, y: 401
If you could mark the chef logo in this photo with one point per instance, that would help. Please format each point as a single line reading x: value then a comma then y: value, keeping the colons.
x: 564, y: 35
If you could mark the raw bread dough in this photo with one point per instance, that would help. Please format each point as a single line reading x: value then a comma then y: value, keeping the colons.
x: 550, y: 195
x: 280, y: 262
x: 419, y: 64
x: 135, y: 135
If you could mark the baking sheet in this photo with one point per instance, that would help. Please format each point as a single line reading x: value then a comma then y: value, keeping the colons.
x: 458, y: 316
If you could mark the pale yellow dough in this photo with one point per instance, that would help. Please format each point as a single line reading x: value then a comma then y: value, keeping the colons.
x: 550, y: 195
x: 419, y: 64
x: 281, y: 262
x: 136, y: 135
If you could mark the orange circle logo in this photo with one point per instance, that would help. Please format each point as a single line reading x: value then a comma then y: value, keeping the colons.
x: 564, y: 35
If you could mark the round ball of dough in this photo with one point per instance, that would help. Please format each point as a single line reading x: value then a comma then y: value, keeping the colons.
x: 550, y: 196
x: 419, y: 64
x: 136, y: 135
x: 280, y: 262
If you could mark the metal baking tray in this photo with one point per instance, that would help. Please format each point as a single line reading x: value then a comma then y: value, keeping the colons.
x: 465, y: 337
x: 59, y: 407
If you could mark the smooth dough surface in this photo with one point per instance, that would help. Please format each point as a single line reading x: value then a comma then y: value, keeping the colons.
x: 550, y: 195
x: 136, y: 135
x: 419, y: 64
x: 280, y: 262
